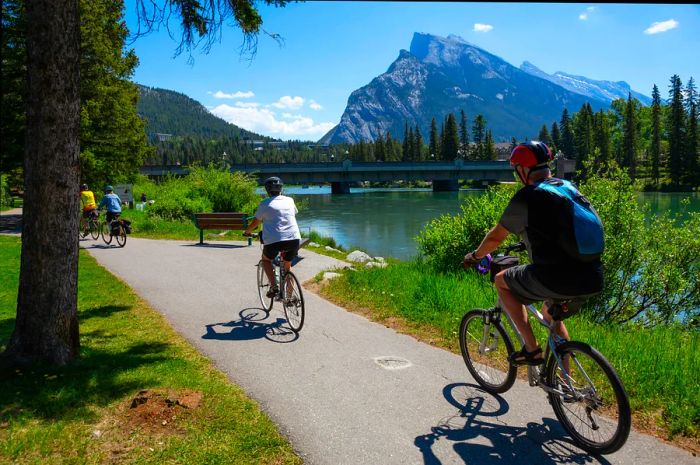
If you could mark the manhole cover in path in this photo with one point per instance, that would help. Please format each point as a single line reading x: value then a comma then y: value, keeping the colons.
x: 392, y: 363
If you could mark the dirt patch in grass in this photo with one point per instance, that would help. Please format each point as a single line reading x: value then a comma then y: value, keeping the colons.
x: 143, y: 423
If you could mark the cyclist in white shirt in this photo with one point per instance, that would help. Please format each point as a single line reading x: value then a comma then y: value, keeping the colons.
x: 280, y: 232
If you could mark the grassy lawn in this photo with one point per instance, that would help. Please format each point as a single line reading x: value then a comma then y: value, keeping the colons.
x: 138, y: 394
x: 658, y: 367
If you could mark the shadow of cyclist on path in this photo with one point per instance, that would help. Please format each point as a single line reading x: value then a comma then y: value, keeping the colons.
x: 251, y: 326
x: 537, y: 443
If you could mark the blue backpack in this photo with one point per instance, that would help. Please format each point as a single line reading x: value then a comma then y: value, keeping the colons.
x: 582, y: 237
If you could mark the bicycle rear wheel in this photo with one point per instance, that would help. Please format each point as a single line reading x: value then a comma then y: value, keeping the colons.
x: 293, y: 302
x: 597, y: 413
x: 485, y: 348
x: 94, y: 229
x: 105, y: 230
x: 121, y: 237
x: 263, y: 287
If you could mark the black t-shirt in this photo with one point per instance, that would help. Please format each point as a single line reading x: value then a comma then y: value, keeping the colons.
x: 539, y: 218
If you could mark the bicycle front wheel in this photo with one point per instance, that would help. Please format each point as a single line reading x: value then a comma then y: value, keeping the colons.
x: 263, y: 287
x: 293, y: 302
x: 94, y: 229
x: 485, y: 348
x: 121, y: 237
x: 597, y: 412
x: 106, y: 236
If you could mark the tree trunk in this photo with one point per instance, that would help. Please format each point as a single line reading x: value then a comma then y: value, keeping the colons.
x: 46, y: 328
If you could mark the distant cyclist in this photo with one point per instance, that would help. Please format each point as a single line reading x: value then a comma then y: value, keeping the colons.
x: 280, y: 232
x: 87, y: 202
x: 541, y: 214
x: 112, y: 202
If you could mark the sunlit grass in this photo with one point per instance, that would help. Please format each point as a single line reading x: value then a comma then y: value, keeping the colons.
x: 50, y: 415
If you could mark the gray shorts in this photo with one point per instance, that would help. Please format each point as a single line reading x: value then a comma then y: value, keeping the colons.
x: 528, y: 289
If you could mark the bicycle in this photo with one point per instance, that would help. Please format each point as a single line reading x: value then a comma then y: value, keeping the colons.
x: 114, y: 228
x: 290, y: 294
x: 91, y: 226
x: 583, y: 388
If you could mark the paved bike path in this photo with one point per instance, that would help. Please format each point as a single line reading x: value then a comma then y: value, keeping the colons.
x: 326, y: 390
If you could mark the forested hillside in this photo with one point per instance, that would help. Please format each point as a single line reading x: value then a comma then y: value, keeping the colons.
x: 169, y: 112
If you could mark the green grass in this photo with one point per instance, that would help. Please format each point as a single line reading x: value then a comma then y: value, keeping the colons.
x: 658, y: 367
x: 49, y: 414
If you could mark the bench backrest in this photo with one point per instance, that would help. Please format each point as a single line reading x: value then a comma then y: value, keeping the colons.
x: 221, y: 220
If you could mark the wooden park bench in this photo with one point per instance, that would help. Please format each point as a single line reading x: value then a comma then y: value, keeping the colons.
x: 221, y: 221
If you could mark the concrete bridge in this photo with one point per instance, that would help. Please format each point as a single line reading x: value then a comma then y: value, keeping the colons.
x: 445, y: 175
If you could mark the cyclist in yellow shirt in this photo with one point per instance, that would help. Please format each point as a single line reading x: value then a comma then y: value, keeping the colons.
x: 87, y: 202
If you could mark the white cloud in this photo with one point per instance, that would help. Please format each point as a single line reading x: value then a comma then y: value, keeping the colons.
x: 247, y: 104
x: 289, y: 102
x: 265, y: 121
x: 661, y: 26
x: 478, y: 27
x: 237, y: 94
x: 584, y: 16
x: 315, y: 105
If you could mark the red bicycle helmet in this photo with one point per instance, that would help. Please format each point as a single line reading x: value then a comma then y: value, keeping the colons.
x: 531, y: 154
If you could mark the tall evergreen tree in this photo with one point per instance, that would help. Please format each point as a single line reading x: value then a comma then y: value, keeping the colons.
x: 676, y: 131
x: 489, y: 147
x: 655, y: 148
x: 567, y: 135
x: 556, y: 137
x: 434, y: 145
x: 692, y: 174
x: 406, y: 146
x: 583, y: 135
x: 629, y: 139
x: 479, y: 137
x: 379, y: 149
x: 464, y: 134
x: 543, y: 136
x: 418, y: 155
x: 601, y: 137
x: 411, y: 145
x: 450, y: 148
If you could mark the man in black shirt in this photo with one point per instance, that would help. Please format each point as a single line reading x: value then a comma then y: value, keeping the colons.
x: 543, y: 220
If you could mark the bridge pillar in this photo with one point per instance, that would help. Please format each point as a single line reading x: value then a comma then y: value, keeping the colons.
x: 340, y: 187
x: 448, y: 185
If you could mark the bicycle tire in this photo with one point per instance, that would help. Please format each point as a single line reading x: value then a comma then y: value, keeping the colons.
x: 121, y: 237
x: 106, y: 236
x: 293, y: 303
x: 490, y: 368
x: 263, y: 287
x: 598, y: 398
x: 94, y: 229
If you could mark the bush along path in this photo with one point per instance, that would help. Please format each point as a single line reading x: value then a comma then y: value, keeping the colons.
x: 346, y: 390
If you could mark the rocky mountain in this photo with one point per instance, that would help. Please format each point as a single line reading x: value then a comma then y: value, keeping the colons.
x: 441, y: 75
x: 599, y: 90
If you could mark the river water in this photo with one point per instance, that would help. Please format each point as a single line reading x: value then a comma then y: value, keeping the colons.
x: 384, y: 222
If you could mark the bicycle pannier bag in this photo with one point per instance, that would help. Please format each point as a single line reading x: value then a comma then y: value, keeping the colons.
x: 582, y: 229
x: 127, y: 226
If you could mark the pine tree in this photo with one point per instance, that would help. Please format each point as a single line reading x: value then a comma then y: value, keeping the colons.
x: 434, y: 146
x: 567, y: 135
x: 411, y: 155
x: 601, y: 137
x: 379, y: 152
x: 556, y: 137
x: 418, y: 155
x: 450, y: 147
x: 479, y: 136
x: 543, y: 136
x: 692, y: 176
x: 583, y: 136
x: 489, y: 147
x: 676, y: 131
x: 655, y: 149
x: 405, y: 155
x: 464, y: 134
x: 629, y: 138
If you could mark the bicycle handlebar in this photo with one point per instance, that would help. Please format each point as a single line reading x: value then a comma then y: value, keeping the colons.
x: 519, y: 247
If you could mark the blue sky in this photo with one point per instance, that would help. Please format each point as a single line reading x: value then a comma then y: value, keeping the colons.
x: 299, y: 90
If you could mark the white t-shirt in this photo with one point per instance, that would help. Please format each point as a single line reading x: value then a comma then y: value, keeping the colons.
x: 278, y: 217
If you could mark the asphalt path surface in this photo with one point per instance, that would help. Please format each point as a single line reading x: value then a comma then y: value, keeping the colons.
x: 347, y: 390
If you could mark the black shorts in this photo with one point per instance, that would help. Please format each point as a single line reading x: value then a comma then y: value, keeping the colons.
x: 528, y: 289
x: 89, y: 213
x: 289, y: 249
x: 112, y: 216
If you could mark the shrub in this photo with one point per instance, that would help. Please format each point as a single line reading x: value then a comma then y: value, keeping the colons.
x: 445, y: 240
x: 5, y: 198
